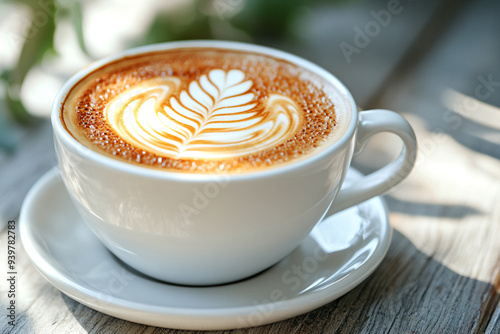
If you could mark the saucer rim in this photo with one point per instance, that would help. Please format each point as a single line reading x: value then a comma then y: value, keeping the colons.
x: 207, y: 318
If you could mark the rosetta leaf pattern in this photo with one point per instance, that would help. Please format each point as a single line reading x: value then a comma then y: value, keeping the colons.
x: 216, y: 117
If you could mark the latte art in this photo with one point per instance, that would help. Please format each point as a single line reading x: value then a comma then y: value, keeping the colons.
x: 203, y: 110
x: 217, y: 117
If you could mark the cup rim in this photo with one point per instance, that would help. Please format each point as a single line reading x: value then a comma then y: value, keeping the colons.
x: 69, y: 140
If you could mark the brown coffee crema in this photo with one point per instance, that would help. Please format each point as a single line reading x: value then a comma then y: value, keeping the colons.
x: 202, y: 110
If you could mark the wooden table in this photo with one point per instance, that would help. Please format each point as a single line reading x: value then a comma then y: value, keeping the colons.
x: 438, y: 64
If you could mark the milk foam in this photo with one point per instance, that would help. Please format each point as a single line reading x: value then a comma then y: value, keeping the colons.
x: 216, y: 117
x: 199, y: 110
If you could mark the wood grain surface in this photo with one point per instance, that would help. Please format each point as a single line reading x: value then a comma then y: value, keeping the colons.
x: 439, y: 66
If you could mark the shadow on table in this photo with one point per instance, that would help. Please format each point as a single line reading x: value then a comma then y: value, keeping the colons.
x: 14, y: 321
x: 430, y: 209
x: 409, y: 293
x: 471, y: 121
x: 477, y: 137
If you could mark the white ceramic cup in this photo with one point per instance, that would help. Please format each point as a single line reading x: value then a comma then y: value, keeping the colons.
x: 199, y: 229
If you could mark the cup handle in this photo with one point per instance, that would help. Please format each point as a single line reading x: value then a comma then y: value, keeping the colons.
x: 372, y: 122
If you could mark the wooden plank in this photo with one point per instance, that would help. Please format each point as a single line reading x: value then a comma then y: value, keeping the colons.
x: 448, y: 208
x: 21, y: 169
x: 494, y: 325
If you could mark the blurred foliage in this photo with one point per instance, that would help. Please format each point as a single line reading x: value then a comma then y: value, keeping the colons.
x: 258, y: 19
x: 269, y: 18
x: 38, y: 42
x: 255, y: 20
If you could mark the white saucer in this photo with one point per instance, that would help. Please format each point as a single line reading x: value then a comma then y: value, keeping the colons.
x: 337, y: 256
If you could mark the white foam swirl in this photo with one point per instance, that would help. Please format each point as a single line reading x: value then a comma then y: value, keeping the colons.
x: 217, y: 117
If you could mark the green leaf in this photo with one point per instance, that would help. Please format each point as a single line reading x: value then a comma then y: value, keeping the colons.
x: 75, y: 9
x: 185, y: 23
x: 39, y: 40
x: 266, y: 18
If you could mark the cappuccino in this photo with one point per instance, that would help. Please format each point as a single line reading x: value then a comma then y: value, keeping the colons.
x: 202, y: 110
